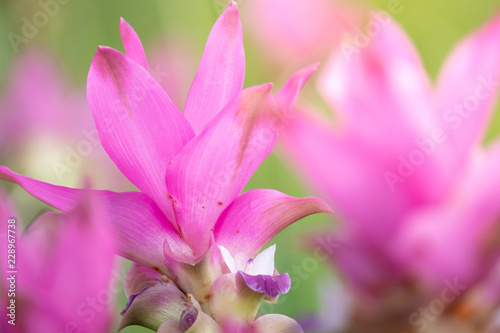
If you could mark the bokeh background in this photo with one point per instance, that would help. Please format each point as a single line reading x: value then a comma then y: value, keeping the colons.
x: 174, y: 34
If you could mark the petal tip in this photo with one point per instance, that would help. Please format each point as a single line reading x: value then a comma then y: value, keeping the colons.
x: 232, y: 5
x: 271, y: 286
x: 265, y: 88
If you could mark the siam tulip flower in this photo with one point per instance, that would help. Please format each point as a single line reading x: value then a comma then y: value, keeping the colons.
x: 59, y: 276
x: 415, y: 190
x: 190, y: 169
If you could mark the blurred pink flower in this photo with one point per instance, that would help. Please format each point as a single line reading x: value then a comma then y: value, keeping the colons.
x: 404, y: 167
x: 62, y: 271
x: 41, y: 116
x: 173, y: 65
x: 191, y: 169
x: 37, y: 101
x: 298, y: 31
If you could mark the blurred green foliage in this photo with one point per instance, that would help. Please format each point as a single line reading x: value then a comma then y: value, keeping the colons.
x: 81, y: 25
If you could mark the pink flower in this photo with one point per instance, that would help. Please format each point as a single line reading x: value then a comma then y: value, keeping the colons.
x: 190, y: 168
x: 404, y: 166
x: 59, y: 272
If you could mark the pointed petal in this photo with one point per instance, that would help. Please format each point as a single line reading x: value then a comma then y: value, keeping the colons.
x: 230, y: 298
x: 380, y: 91
x: 154, y: 305
x: 139, y: 126
x: 288, y: 95
x: 228, y: 259
x: 132, y: 44
x: 269, y: 285
x: 214, y: 167
x: 276, y: 323
x: 468, y: 90
x: 221, y: 72
x: 263, y: 263
x: 60, y: 197
x: 126, y: 212
x: 256, y: 216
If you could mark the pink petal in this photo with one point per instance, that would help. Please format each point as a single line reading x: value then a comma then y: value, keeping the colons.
x: 468, y: 90
x: 60, y: 197
x: 127, y: 213
x: 348, y: 173
x: 132, y: 44
x: 141, y: 229
x: 288, y: 95
x: 214, y: 167
x: 380, y: 90
x: 139, y: 127
x: 457, y: 238
x: 221, y: 72
x: 256, y: 216
x: 386, y: 103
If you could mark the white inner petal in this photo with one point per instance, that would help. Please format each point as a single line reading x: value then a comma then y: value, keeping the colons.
x: 228, y: 259
x: 263, y: 264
